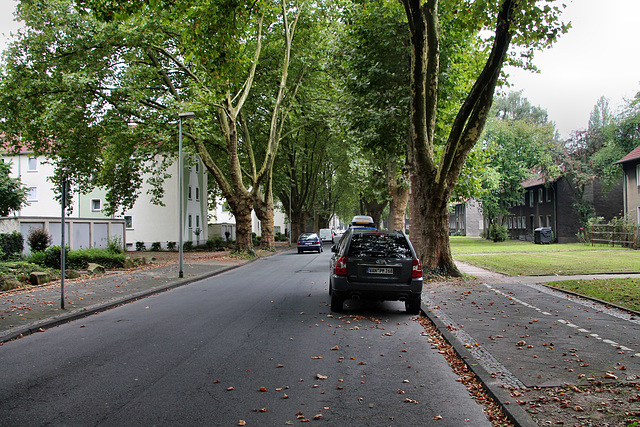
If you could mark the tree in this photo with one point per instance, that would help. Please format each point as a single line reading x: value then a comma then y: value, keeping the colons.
x: 101, y: 85
x: 523, y: 22
x: 13, y: 194
x: 518, y: 141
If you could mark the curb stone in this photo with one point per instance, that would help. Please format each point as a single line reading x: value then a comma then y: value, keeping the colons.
x: 518, y: 416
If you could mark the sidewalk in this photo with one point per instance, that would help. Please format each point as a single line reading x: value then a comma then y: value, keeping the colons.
x: 450, y: 307
x: 32, y: 310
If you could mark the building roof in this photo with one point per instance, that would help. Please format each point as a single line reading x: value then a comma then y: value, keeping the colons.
x: 634, y: 155
x: 540, y: 178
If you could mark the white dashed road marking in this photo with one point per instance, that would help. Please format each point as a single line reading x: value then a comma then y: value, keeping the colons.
x: 564, y: 322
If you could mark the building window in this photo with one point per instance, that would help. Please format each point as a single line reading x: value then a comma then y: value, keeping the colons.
x: 638, y: 174
x: 197, y: 221
x: 190, y: 221
x: 189, y: 193
x: 128, y: 222
x: 531, y: 198
x: 510, y: 225
x: 540, y: 195
x: 32, y: 195
x: 197, y: 166
x: 548, y: 195
x: 540, y: 221
x: 549, y: 221
x: 197, y: 193
x: 32, y: 165
x: 96, y: 205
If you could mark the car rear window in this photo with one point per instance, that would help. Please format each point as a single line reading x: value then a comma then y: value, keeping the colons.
x: 308, y: 236
x: 386, y: 245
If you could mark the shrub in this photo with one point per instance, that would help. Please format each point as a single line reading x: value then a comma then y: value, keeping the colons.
x: 140, y: 247
x: 52, y: 257
x: 80, y: 259
x: 216, y: 244
x: 115, y: 245
x: 11, y: 244
x: 38, y: 239
x: 171, y: 246
x: 498, y: 233
x: 156, y: 246
x: 187, y: 246
x: 37, y: 258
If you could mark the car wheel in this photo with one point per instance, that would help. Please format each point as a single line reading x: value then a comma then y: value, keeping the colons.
x: 413, y: 305
x: 336, y: 302
x: 299, y: 251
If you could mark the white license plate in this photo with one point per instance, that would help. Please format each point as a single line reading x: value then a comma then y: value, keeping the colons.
x: 380, y: 270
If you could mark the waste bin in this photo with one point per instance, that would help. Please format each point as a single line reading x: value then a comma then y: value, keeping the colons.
x: 542, y: 235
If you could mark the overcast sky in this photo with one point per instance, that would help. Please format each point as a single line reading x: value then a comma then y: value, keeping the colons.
x: 600, y: 56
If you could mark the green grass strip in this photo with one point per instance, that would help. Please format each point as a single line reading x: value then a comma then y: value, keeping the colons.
x: 558, y: 263
x: 622, y: 292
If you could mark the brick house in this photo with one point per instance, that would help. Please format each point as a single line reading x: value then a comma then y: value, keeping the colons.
x: 631, y: 184
x: 550, y: 204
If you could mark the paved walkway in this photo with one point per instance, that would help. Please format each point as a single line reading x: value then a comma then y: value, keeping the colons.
x: 33, y: 309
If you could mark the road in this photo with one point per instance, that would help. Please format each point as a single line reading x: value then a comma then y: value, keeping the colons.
x: 258, y: 344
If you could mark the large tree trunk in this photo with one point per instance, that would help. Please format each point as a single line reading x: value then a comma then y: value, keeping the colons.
x: 264, y: 212
x: 431, y: 237
x: 244, y: 238
x: 297, y: 224
x: 433, y: 181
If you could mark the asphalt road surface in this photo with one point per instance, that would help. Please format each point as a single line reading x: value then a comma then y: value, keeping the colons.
x: 257, y: 344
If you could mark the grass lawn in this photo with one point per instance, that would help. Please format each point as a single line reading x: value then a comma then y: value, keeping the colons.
x: 622, y: 292
x: 517, y: 258
x: 477, y: 245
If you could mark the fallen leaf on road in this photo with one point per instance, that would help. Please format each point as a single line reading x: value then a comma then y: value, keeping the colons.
x: 321, y: 377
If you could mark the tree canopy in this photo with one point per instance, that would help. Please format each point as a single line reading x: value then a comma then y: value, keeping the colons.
x: 13, y: 194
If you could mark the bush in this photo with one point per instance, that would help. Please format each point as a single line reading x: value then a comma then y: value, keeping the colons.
x: 156, y: 247
x: 37, y: 258
x: 140, y: 247
x: 171, y: 246
x: 11, y: 244
x: 498, y: 233
x: 216, y: 244
x: 115, y: 245
x: 38, y: 239
x: 80, y: 259
x: 52, y: 257
x: 187, y: 246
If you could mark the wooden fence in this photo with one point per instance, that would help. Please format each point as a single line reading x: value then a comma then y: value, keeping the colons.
x: 610, y: 234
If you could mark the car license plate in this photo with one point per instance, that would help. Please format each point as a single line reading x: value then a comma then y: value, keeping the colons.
x: 380, y: 270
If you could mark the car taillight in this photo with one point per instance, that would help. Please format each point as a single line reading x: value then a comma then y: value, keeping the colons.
x: 341, y: 266
x: 417, y: 268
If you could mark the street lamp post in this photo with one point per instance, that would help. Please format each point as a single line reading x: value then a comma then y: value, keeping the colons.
x: 181, y: 116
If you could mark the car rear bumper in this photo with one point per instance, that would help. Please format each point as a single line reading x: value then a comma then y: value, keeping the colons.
x: 309, y: 247
x: 341, y: 286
